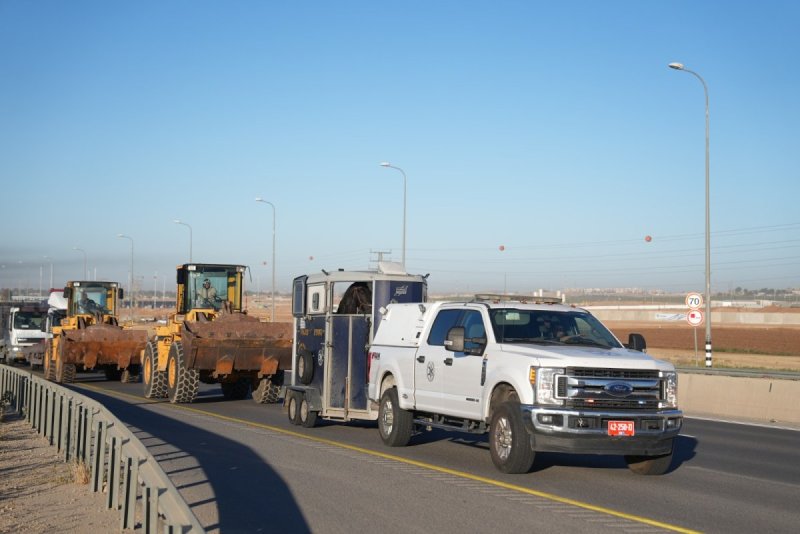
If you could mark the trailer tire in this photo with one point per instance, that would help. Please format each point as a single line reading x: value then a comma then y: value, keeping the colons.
x: 269, y: 389
x: 649, y: 465
x: 236, y: 390
x: 308, y: 417
x: 292, y: 408
x: 182, y: 382
x: 153, y: 380
x: 394, y: 424
x: 305, y: 367
x: 509, y: 442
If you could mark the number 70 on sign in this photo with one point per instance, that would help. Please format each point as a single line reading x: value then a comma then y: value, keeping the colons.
x: 694, y: 301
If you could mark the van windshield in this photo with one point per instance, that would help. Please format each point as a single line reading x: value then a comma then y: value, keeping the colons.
x: 29, y: 320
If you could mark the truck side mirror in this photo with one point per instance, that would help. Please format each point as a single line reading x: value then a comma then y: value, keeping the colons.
x: 636, y: 342
x: 120, y: 294
x: 67, y: 292
x: 454, y: 342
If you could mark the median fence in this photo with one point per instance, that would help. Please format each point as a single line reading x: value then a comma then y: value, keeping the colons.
x: 84, y: 431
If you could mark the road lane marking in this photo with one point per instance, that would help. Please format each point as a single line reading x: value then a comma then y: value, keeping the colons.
x: 407, y: 461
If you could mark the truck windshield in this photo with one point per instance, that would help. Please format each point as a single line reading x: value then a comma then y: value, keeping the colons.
x: 29, y: 320
x: 511, y: 325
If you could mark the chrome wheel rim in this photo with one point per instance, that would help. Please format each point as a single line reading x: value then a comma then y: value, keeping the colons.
x: 502, y: 438
x: 387, y: 418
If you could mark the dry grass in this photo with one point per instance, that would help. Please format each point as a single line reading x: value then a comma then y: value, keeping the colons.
x: 80, y: 473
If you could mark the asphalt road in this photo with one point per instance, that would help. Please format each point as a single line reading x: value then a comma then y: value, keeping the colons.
x: 243, y: 468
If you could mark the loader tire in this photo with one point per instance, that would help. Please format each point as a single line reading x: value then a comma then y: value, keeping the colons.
x: 112, y: 374
x: 182, y: 382
x: 49, y: 368
x: 236, y: 390
x: 269, y: 388
x: 154, y: 381
x: 65, y: 372
x: 131, y: 375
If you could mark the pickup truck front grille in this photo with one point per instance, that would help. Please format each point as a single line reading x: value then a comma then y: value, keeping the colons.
x: 615, y: 389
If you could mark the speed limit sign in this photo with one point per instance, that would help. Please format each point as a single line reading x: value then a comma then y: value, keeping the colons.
x: 694, y: 317
x: 694, y: 301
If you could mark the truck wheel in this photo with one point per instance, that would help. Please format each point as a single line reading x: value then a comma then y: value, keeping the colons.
x: 292, y: 408
x: 305, y: 367
x: 509, y: 442
x: 269, y: 388
x: 394, y: 424
x: 182, y: 383
x: 236, y: 390
x: 308, y: 417
x: 649, y: 465
x: 154, y: 381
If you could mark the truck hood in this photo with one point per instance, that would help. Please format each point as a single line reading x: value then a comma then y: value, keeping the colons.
x: 579, y: 356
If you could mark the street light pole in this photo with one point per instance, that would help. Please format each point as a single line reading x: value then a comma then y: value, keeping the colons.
x: 388, y: 165
x: 85, y: 270
x: 131, y: 298
x: 178, y: 221
x: 680, y: 66
x: 259, y: 199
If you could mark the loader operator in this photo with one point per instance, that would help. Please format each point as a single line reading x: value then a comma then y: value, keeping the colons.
x: 207, y: 294
x: 87, y: 305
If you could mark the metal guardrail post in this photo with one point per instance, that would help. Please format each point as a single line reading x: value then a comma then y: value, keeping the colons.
x: 150, y: 498
x: 98, y: 452
x: 112, y: 484
x: 130, y: 485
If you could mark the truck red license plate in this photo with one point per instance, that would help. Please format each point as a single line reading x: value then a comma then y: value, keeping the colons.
x: 620, y: 428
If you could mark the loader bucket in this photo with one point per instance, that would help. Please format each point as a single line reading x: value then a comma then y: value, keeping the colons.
x: 103, y: 344
x: 237, y: 342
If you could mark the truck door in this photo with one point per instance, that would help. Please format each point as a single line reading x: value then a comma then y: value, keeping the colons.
x: 463, y: 378
x: 431, y: 360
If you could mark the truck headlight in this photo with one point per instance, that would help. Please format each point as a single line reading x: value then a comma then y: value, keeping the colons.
x: 670, y: 385
x: 545, y: 386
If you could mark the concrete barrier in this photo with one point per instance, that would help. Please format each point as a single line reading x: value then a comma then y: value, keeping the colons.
x: 657, y: 314
x: 741, y: 398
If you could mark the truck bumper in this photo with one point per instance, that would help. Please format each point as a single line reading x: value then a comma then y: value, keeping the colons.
x: 586, y: 432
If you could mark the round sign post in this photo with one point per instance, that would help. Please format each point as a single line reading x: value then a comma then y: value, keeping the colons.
x: 694, y: 301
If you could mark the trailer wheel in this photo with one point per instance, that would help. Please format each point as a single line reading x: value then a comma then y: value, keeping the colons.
x: 649, y: 465
x: 292, y: 409
x: 236, y: 390
x: 394, y: 424
x: 182, y: 383
x: 153, y: 380
x: 308, y: 417
x: 305, y: 367
x: 509, y: 442
x: 269, y: 388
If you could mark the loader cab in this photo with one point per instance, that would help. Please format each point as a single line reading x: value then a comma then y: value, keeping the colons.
x: 92, y: 298
x: 209, y: 287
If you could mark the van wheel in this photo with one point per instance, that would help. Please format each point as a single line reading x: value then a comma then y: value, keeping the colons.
x: 509, y: 442
x: 649, y: 465
x: 305, y: 367
x: 394, y: 424
x: 292, y: 409
x: 307, y: 417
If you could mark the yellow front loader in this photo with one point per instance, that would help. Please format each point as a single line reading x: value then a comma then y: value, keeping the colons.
x: 211, y: 339
x: 90, y: 336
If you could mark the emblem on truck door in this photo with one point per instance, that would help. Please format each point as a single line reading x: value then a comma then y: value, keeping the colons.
x: 431, y: 372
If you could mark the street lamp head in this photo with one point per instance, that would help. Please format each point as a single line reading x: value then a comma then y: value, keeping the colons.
x: 259, y: 199
x: 676, y: 66
x: 385, y: 164
x: 177, y: 221
x: 121, y: 235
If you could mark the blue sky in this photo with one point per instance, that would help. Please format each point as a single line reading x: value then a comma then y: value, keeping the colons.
x: 554, y: 129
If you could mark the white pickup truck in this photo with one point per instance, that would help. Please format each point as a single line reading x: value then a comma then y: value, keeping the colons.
x: 536, y: 374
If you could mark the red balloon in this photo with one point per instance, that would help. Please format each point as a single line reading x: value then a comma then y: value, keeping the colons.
x: 311, y: 258
x: 502, y: 248
x: 648, y: 238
